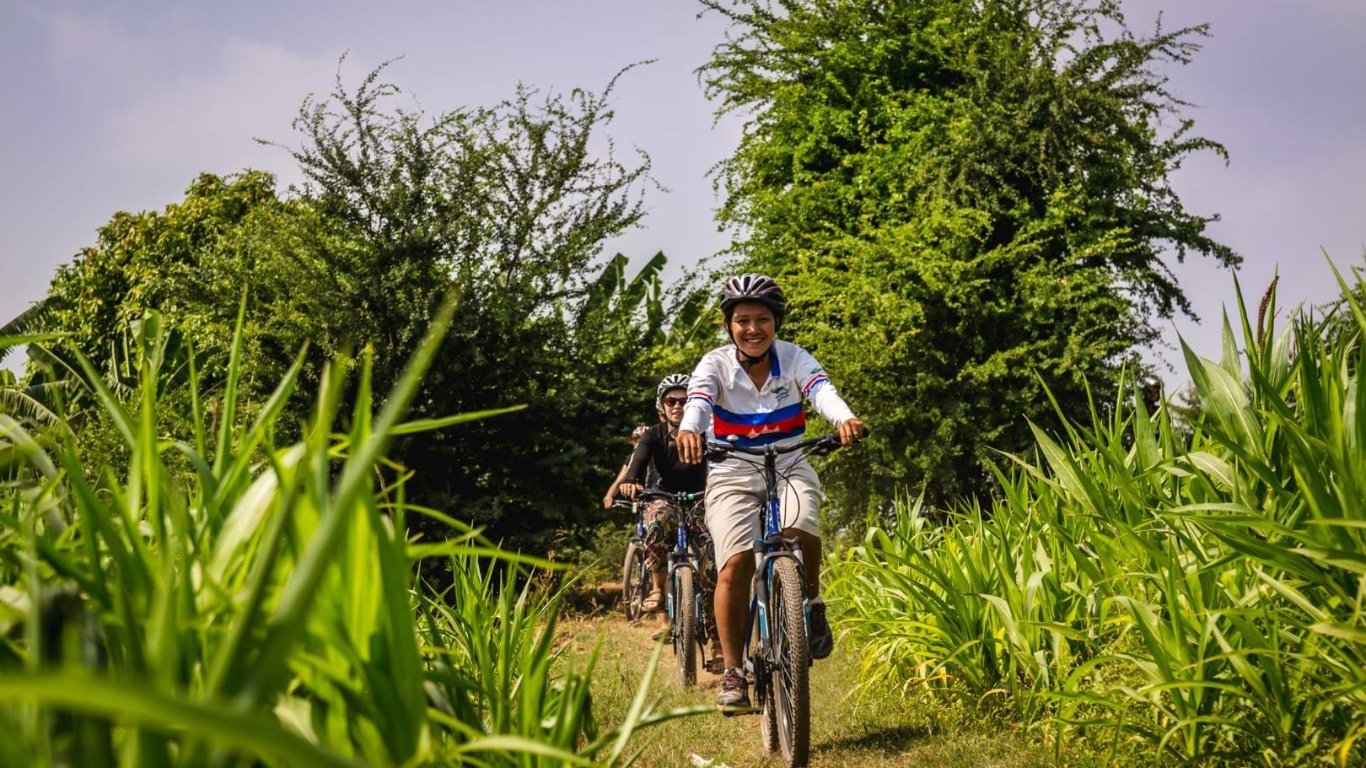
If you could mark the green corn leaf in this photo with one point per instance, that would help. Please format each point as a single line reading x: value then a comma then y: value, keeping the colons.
x: 145, y: 706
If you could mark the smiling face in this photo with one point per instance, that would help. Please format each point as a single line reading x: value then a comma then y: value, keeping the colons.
x: 752, y: 326
x: 672, y: 401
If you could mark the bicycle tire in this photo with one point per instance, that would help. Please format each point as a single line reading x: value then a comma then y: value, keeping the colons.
x: 703, y: 608
x: 768, y: 718
x: 685, y: 627
x: 789, y: 685
x: 631, y: 582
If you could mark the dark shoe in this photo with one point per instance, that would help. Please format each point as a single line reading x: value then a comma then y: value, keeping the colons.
x: 822, y: 642
x: 734, y: 692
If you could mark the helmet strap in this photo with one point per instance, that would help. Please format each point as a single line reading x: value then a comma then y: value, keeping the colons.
x: 748, y: 362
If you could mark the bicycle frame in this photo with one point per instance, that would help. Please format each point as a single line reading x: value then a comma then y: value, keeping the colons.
x: 679, y: 556
x: 766, y: 549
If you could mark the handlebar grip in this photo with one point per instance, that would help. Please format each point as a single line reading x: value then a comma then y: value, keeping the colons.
x: 831, y: 443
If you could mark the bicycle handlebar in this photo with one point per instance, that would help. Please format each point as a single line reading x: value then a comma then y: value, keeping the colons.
x: 678, y: 498
x: 717, y: 451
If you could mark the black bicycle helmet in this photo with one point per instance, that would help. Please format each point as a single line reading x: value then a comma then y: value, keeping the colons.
x: 752, y: 287
x: 672, y: 381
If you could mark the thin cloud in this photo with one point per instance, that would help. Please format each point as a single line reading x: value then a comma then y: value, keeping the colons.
x: 92, y: 53
x: 208, y: 122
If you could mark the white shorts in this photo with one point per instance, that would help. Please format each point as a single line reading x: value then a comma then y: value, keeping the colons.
x: 734, y: 500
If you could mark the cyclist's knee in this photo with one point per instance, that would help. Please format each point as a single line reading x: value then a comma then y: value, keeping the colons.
x: 809, y: 540
x: 739, y: 568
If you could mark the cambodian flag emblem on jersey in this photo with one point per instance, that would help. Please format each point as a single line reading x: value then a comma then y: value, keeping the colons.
x: 755, y: 429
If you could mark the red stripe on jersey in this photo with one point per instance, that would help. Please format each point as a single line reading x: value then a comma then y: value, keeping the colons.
x: 725, y: 428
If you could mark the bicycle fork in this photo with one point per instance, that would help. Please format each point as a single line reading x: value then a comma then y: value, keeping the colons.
x: 771, y: 546
x: 677, y: 558
x: 767, y: 550
x: 675, y: 565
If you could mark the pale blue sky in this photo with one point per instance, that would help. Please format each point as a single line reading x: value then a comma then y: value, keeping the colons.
x: 117, y: 105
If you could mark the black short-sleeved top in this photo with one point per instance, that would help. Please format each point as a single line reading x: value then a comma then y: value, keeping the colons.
x: 651, y: 476
x: 658, y: 450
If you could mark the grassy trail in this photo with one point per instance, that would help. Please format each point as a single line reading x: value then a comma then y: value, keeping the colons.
x: 846, y: 731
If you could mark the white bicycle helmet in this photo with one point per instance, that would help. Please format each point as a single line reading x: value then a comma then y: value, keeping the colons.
x: 672, y: 381
x: 752, y: 287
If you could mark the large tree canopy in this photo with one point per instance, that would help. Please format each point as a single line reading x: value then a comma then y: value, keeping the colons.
x: 966, y: 202
x: 508, y: 207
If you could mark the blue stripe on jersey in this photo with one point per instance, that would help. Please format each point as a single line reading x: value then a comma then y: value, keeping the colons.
x: 757, y: 419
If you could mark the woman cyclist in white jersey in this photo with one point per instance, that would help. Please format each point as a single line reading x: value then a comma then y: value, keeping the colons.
x: 752, y: 392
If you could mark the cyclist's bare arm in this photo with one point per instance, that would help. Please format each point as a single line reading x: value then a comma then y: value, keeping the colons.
x: 634, y: 479
x: 616, y: 486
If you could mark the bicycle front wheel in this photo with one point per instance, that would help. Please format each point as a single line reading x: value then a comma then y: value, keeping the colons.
x: 685, y: 626
x: 789, y: 687
x: 634, y: 582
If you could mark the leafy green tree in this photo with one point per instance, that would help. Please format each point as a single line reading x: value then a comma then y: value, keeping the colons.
x: 144, y: 261
x: 140, y: 263
x: 967, y: 202
x: 507, y: 207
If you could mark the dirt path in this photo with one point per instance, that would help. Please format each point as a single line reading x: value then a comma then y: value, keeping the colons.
x: 846, y: 731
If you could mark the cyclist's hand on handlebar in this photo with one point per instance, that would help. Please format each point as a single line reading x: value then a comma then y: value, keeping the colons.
x: 851, y: 431
x: 629, y: 490
x: 689, y: 447
x: 607, y: 501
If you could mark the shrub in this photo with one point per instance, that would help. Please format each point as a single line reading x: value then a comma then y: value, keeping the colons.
x: 1202, y: 597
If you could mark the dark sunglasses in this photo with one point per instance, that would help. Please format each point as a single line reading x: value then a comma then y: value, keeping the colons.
x: 675, y: 400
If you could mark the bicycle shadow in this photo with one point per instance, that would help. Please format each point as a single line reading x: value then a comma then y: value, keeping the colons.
x: 890, y: 741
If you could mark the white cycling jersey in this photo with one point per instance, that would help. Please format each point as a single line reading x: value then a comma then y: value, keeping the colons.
x: 723, y: 402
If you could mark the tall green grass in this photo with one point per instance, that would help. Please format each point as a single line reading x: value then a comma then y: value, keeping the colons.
x: 1201, y: 594
x: 220, y: 600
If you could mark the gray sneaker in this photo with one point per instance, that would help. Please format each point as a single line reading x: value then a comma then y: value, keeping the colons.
x: 822, y: 641
x: 734, y: 692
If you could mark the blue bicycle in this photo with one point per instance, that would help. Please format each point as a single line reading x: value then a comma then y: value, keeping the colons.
x: 687, y: 610
x: 777, y: 649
